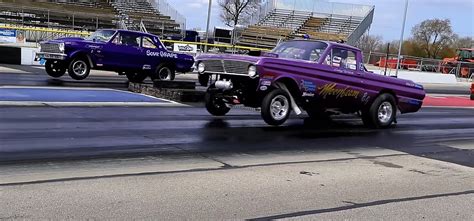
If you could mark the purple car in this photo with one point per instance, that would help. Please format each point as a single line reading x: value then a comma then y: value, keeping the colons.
x: 322, y: 78
x: 134, y: 54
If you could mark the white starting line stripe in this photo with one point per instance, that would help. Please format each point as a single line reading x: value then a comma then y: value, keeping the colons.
x: 89, y: 104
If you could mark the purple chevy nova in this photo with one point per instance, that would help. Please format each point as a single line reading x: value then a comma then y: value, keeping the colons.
x: 134, y: 54
x: 322, y: 78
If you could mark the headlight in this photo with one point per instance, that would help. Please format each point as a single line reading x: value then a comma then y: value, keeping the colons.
x: 61, y: 47
x: 252, y: 71
x: 201, y: 67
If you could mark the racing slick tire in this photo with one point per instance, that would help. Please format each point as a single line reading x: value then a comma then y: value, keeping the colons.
x: 276, y: 107
x: 136, y: 77
x: 382, y: 112
x: 55, y: 69
x: 164, y: 72
x: 215, y: 106
x: 79, y: 68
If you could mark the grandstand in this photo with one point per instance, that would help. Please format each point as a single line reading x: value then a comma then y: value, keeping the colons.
x: 287, y: 19
x: 89, y: 15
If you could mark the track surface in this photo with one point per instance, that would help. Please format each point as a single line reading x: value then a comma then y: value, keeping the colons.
x: 181, y: 163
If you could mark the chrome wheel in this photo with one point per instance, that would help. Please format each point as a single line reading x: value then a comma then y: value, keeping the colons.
x: 279, y: 107
x: 80, y: 68
x: 385, y: 112
x: 165, y: 73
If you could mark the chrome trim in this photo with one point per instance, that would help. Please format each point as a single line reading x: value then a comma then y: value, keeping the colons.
x: 60, y: 56
x: 217, y: 65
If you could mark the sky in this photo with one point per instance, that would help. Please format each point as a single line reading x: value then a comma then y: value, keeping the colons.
x: 387, y: 21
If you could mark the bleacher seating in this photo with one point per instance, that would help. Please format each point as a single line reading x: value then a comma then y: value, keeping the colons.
x: 57, y: 14
x: 281, y: 24
x: 286, y: 19
x: 263, y: 36
x: 87, y: 15
x: 134, y: 12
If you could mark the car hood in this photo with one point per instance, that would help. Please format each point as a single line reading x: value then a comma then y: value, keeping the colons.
x: 244, y: 58
x: 71, y: 39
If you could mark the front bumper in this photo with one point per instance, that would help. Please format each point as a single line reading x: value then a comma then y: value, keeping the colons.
x: 52, y: 56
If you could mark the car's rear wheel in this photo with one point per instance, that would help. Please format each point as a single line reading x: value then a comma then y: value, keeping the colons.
x: 55, y: 69
x: 382, y: 112
x: 164, y: 73
x: 276, y: 107
x: 215, y: 105
x: 136, y: 77
x: 79, y: 69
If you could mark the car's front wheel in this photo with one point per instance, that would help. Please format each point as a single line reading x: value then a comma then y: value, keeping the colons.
x: 55, y: 69
x: 215, y: 105
x: 136, y: 77
x: 276, y: 107
x: 382, y: 113
x: 79, y: 69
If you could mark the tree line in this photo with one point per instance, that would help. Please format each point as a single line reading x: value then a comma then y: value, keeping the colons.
x: 432, y: 38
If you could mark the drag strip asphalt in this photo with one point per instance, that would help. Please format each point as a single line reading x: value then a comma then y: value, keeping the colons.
x: 61, y: 133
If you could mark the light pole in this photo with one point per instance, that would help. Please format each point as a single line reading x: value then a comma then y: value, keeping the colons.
x: 207, y: 27
x: 401, y: 38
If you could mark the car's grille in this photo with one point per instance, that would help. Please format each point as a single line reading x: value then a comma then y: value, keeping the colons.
x: 214, y: 66
x: 227, y: 67
x: 50, y: 48
x: 236, y: 67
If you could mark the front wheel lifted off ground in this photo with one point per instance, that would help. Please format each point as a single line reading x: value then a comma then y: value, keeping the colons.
x: 276, y: 107
x: 215, y: 105
x: 55, y: 69
x: 79, y: 68
x: 382, y: 112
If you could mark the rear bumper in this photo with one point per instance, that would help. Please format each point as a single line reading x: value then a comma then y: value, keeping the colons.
x: 52, y: 56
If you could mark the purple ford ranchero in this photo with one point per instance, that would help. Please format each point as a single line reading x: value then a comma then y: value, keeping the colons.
x: 319, y: 77
x: 134, y: 54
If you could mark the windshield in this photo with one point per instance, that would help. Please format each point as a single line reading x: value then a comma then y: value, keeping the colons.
x: 302, y: 50
x: 101, y: 35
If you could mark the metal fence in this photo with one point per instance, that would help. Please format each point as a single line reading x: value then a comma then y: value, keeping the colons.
x: 166, y: 9
x: 314, y: 6
x: 462, y: 70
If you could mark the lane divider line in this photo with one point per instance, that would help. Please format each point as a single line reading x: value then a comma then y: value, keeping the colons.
x: 89, y: 104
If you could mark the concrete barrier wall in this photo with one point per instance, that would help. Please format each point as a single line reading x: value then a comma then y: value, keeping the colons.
x: 18, y: 55
x: 10, y: 55
x: 28, y: 56
x: 423, y: 77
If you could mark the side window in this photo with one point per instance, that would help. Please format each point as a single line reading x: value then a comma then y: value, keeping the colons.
x: 342, y: 58
x: 315, y: 54
x: 148, y: 43
x: 127, y: 40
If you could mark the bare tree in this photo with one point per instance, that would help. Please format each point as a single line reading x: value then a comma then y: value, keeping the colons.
x: 369, y: 43
x: 433, y: 35
x: 237, y: 12
x: 463, y: 42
